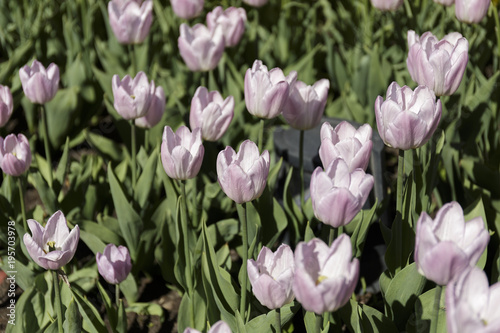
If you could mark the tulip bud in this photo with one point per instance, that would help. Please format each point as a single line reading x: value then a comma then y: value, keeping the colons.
x: 437, y: 64
x: 114, y: 263
x: 266, y: 92
x: 407, y: 119
x: 256, y: 3
x: 471, y: 11
x: 132, y: 97
x: 325, y: 277
x: 387, y: 4
x: 243, y: 175
x: 130, y: 21
x: 353, y: 146
x: 155, y: 111
x: 211, y: 113
x: 39, y: 85
x: 15, y: 154
x: 232, y: 21
x: 218, y: 327
x: 271, y: 276
x: 187, y: 9
x: 54, y: 246
x: 447, y: 245
x: 200, y: 48
x: 306, y: 104
x: 6, y: 105
x: 182, y: 152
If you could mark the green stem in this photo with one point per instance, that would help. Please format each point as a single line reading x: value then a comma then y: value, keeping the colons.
x: 134, y: 152
x: 244, y: 235
x: 278, y: 320
x: 146, y: 139
x: 131, y: 53
x: 58, y: 304
x: 399, y: 189
x: 301, y: 168
x: 334, y: 234
x: 260, y: 142
x: 187, y: 252
x: 194, y: 221
x: 21, y: 200
x: 46, y: 142
x: 437, y: 300
x: 319, y: 322
x: 256, y: 23
x: 117, y: 295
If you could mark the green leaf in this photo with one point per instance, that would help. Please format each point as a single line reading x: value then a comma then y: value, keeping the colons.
x: 476, y: 209
x: 46, y: 193
x: 92, y: 241
x: 108, y: 304
x: 129, y: 288
x: 92, y: 319
x: 263, y: 322
x: 62, y: 167
x: 73, y: 322
x: 145, y: 181
x: 61, y: 113
x: 363, y: 221
x: 121, y: 325
x: 420, y: 321
x: 107, y: 147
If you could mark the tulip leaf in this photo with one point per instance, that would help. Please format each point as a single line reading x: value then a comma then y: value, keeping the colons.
x: 483, y: 93
x: 143, y: 186
x: 363, y: 318
x: 121, y: 324
x: 165, y: 251
x: 293, y: 212
x: 99, y: 230
x: 62, y: 167
x: 62, y: 113
x: 73, y: 322
x: 309, y: 234
x: 424, y: 313
x: 185, y: 309
x: 476, y: 209
x: 263, y: 322
x: 107, y: 147
x: 108, y: 304
x: 363, y: 221
x: 180, y: 268
x: 129, y: 289
x: 46, y: 193
x: 92, y: 321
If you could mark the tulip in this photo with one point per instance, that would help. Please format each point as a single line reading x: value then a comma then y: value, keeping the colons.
x: 114, y: 263
x: 306, y: 104
x: 6, y: 105
x: 445, y: 2
x: 187, y: 9
x: 182, y: 152
x: 337, y: 195
x: 53, y: 246
x: 155, y: 111
x: 256, y: 3
x: 387, y: 4
x: 271, y: 276
x: 325, y: 277
x: 266, y: 92
x: 353, y: 146
x: 201, y: 48
x: 218, y: 327
x: 447, y: 245
x: 15, y: 154
x: 133, y: 97
x: 243, y: 175
x: 471, y: 11
x: 211, y: 113
x: 130, y: 20
x: 40, y: 85
x: 437, y: 64
x: 232, y: 21
x: 407, y: 119
x: 472, y: 306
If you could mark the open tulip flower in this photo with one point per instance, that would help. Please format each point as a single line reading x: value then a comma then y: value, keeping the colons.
x: 201, y: 48
x: 243, y: 175
x: 155, y: 110
x: 471, y: 11
x: 40, y: 85
x: 387, y: 4
x: 133, y: 97
x: 353, y: 145
x: 271, y: 276
x: 471, y: 305
x: 187, y: 9
x: 437, y: 64
x: 218, y: 327
x: 15, y: 154
x: 211, y: 113
x: 114, y: 263
x: 447, y: 245
x: 407, y: 119
x: 130, y: 20
x: 53, y: 246
x: 6, y: 105
x: 325, y: 277
x: 337, y: 195
x: 232, y: 20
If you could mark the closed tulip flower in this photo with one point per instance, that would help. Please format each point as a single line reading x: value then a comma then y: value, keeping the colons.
x: 218, y: 327
x: 471, y: 11
x: 114, y: 263
x: 407, y: 119
x: 40, y: 85
x: 352, y: 145
x: 232, y: 21
x: 15, y: 154
x: 6, y: 105
x: 306, y: 104
x: 155, y: 111
x: 337, y: 195
x: 325, y: 277
x: 447, y: 245
x: 387, y: 4
x: 211, y: 113
x: 130, y: 20
x: 266, y: 92
x: 133, y: 97
x: 271, y: 276
x: 256, y: 3
x: 437, y: 64
x: 471, y: 305
x: 243, y: 175
x: 187, y: 9
x: 201, y: 48
x: 53, y: 246
x: 182, y: 152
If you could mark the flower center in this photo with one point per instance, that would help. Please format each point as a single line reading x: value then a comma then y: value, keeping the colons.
x: 485, y: 322
x: 133, y: 96
x: 320, y: 279
x: 51, y: 245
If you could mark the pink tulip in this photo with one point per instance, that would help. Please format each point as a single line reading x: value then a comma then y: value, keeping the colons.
x: 6, y: 105
x: 306, y: 104
x: 187, y: 9
x: 200, y: 48
x: 271, y: 276
x: 354, y: 146
x: 53, y: 246
x: 243, y: 175
x: 387, y: 4
x: 233, y: 23
x: 471, y: 11
x: 15, y: 154
x: 437, y: 64
x: 211, y: 113
x: 337, y: 195
x: 447, y: 245
x: 130, y: 20
x: 132, y: 97
x: 407, y: 119
x: 218, y: 327
x: 325, y: 277
x: 114, y: 263
x: 40, y: 85
x: 155, y: 110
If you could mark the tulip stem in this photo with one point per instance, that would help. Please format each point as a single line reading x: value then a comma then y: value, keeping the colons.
x: 278, y: 320
x: 261, y: 135
x: 117, y: 295
x: 319, y: 322
x: 21, y: 200
x: 46, y: 142
x: 132, y: 59
x: 58, y: 304
x: 437, y: 301
x: 244, y: 235
x: 146, y: 140
x: 301, y: 168
x: 187, y: 253
x: 334, y: 234
x: 134, y: 153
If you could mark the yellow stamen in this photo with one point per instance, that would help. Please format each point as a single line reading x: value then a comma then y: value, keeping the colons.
x: 320, y: 279
x: 52, y: 245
